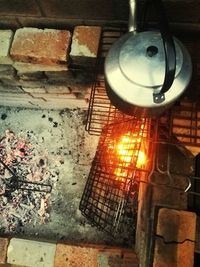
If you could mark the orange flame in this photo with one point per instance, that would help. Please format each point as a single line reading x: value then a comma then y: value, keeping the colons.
x: 127, y: 152
x: 141, y: 159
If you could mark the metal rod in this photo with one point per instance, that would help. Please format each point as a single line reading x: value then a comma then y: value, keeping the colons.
x: 16, y: 183
x: 132, y: 25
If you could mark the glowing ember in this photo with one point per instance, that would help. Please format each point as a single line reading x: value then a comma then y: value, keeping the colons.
x: 127, y: 152
x: 125, y: 148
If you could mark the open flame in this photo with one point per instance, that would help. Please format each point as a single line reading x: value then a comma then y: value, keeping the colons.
x: 129, y: 151
x: 141, y: 161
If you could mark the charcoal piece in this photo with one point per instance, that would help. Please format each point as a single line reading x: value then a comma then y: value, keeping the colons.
x: 41, y: 162
x: 55, y: 124
x: 3, y: 116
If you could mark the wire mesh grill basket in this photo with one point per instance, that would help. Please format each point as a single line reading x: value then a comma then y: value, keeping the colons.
x: 110, y: 195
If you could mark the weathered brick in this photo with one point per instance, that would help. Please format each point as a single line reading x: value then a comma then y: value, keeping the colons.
x: 85, y: 43
x: 5, y: 43
x: 59, y: 76
x: 31, y: 76
x: 22, y: 97
x: 58, y: 103
x: 37, y: 90
x: 53, y: 96
x: 57, y: 89
x: 29, y: 67
x: 3, y: 249
x: 19, y: 82
x: 75, y: 256
x: 71, y: 77
x: 48, y: 46
x: 67, y: 76
x: 19, y: 96
x: 176, y: 225
x: 173, y: 254
x: 82, y: 89
x: 31, y: 253
x: 8, y: 89
x: 23, y: 103
x: 49, y: 89
x: 7, y: 71
x: 93, y: 256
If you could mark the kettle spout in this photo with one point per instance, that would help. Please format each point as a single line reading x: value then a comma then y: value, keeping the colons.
x: 132, y: 27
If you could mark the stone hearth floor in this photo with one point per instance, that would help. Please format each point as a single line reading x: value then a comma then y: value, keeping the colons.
x: 29, y: 253
x: 69, y: 149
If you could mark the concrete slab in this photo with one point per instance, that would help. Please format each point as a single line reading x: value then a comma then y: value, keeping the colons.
x: 176, y: 225
x: 31, y: 253
x: 173, y: 254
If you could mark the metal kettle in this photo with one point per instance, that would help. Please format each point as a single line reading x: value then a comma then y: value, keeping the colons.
x: 147, y: 71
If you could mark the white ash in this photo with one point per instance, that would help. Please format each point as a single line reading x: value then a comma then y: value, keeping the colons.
x: 18, y: 207
x: 58, y: 137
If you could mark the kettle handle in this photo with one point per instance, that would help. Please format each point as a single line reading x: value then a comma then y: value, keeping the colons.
x: 170, y: 52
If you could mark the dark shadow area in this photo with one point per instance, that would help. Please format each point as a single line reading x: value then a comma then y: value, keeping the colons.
x: 196, y: 260
x: 194, y: 199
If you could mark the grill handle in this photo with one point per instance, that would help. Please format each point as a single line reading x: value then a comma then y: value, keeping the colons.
x: 169, y: 49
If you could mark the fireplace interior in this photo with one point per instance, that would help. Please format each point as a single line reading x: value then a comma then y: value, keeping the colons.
x: 86, y: 172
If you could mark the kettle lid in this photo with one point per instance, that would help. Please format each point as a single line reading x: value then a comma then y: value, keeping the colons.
x: 142, y: 59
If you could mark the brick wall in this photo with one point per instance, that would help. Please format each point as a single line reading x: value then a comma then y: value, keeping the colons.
x: 47, y: 68
x: 51, y: 68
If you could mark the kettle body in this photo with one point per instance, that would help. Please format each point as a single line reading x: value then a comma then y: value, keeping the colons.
x: 135, y: 72
x: 146, y: 71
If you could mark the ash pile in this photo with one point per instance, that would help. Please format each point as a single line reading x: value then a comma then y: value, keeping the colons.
x: 26, y: 180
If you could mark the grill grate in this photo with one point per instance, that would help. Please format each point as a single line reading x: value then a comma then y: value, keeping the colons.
x: 185, y: 123
x: 101, y: 112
